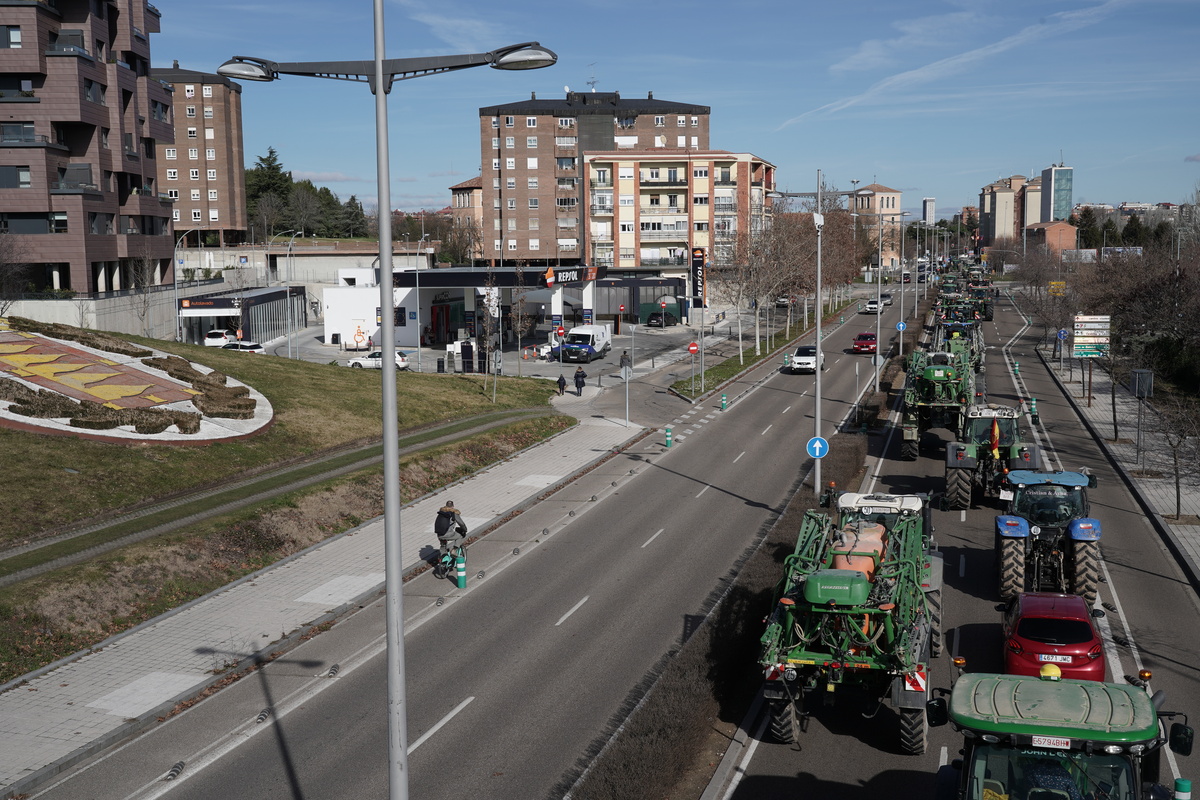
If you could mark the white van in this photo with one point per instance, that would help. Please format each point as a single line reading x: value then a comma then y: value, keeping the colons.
x: 585, y: 343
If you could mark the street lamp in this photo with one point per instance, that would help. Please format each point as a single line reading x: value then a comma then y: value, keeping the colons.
x: 879, y: 287
x: 267, y: 271
x: 175, y: 280
x: 417, y: 273
x: 380, y: 74
x: 287, y: 287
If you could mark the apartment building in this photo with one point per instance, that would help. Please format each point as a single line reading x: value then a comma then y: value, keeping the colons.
x: 647, y: 208
x: 532, y: 165
x: 875, y: 204
x: 466, y: 209
x: 1007, y: 206
x: 1058, y: 188
x: 203, y: 171
x: 82, y: 119
x: 929, y: 210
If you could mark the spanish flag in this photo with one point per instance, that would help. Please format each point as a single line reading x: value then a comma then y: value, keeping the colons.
x: 995, y: 438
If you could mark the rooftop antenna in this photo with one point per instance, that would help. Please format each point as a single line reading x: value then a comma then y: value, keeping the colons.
x: 592, y: 82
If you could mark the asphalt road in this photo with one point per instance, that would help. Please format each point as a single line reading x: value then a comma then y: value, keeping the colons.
x: 1152, y: 621
x: 512, y: 685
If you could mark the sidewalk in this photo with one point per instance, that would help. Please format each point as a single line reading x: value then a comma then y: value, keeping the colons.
x: 83, y: 704
x: 1152, y: 481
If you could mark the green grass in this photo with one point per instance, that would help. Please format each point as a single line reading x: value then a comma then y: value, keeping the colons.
x: 53, y: 482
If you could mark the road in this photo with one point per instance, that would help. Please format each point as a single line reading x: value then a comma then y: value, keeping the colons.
x: 1152, y: 621
x: 512, y: 683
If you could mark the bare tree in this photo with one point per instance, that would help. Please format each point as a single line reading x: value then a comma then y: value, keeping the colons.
x: 143, y: 276
x: 305, y: 208
x: 1179, y: 425
x: 14, y: 271
x: 270, y: 210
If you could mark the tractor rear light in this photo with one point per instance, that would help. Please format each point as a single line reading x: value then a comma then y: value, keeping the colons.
x: 1014, y: 646
x: 773, y: 672
x: 958, y: 454
x: 1086, y: 526
x: 1012, y: 523
x: 1096, y: 651
x: 1145, y: 674
x: 836, y: 665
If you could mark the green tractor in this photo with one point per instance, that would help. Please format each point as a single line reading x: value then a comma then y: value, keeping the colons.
x: 990, y: 447
x: 937, y: 391
x: 858, y: 612
x: 1042, y: 738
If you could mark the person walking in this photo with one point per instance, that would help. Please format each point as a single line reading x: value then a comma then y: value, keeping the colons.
x: 562, y: 384
x: 626, y: 360
x: 580, y: 377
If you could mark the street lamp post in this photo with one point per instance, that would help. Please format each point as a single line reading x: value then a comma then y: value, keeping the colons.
x: 287, y: 287
x: 175, y: 280
x: 420, y: 333
x: 879, y: 296
x: 379, y: 75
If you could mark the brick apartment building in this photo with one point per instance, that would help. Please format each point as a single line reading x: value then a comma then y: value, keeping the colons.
x: 876, y: 203
x: 647, y: 208
x: 82, y: 119
x: 1006, y: 207
x: 533, y: 191
x: 203, y: 171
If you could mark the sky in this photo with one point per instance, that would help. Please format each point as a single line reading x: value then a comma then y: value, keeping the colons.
x: 935, y: 98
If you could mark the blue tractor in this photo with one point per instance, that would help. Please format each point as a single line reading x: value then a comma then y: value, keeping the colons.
x: 1047, y: 542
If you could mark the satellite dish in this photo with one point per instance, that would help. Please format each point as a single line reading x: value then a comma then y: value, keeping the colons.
x: 566, y: 88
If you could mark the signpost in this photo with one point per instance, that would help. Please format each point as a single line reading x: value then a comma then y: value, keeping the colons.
x: 693, y: 348
x: 561, y: 331
x: 1091, y: 340
x: 817, y: 447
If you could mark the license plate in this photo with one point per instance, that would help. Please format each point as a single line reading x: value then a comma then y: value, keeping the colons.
x: 1052, y: 741
x: 1006, y: 494
x: 1054, y: 659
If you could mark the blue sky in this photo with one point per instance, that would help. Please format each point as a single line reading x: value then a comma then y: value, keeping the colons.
x: 934, y: 97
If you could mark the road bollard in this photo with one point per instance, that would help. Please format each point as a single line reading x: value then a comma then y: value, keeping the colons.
x: 460, y: 570
x: 842, y: 320
x: 1033, y: 413
x: 668, y: 437
x: 724, y: 401
x: 1183, y: 789
x: 1016, y: 369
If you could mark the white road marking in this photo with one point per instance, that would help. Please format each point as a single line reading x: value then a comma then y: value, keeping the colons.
x: 740, y: 771
x: 962, y: 515
x: 655, y: 536
x: 739, y: 458
x: 789, y: 408
x: 943, y: 758
x: 766, y: 429
x: 702, y: 491
x: 574, y: 608
x: 438, y: 727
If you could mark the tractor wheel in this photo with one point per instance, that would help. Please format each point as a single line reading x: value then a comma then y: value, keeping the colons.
x: 910, y: 450
x: 958, y: 488
x: 934, y: 599
x: 785, y: 721
x: 1012, y: 568
x: 914, y: 731
x: 1087, y: 570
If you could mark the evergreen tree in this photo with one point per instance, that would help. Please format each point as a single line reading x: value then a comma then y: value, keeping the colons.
x: 1134, y: 233
x: 354, y: 218
x: 1089, y: 229
x: 268, y: 178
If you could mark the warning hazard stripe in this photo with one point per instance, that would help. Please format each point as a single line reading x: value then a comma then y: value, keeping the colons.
x: 915, y: 680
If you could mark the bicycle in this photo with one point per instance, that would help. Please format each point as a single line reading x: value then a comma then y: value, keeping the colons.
x: 446, y: 561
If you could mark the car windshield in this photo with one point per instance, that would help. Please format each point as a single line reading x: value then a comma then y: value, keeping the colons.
x: 981, y: 431
x: 1054, y: 631
x: 806, y: 351
x: 1047, y: 504
x: 578, y: 338
x: 866, y: 337
x: 997, y: 771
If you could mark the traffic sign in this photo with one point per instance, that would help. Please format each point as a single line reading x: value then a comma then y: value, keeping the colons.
x: 561, y: 330
x: 1062, y: 334
x: 693, y: 348
x: 900, y: 326
x: 663, y: 304
x: 622, y: 308
x: 1092, y: 326
x: 1094, y: 318
x: 626, y: 373
x: 817, y: 447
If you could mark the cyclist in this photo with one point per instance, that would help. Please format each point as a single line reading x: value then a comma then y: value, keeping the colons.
x: 450, y: 528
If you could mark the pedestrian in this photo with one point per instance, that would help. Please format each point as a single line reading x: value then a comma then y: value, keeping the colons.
x: 626, y: 361
x: 562, y: 384
x: 580, y: 377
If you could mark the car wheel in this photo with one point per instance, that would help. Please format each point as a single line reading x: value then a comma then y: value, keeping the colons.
x: 356, y: 366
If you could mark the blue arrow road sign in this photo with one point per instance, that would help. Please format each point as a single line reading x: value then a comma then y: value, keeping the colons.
x: 901, y: 326
x: 1062, y: 334
x: 817, y: 447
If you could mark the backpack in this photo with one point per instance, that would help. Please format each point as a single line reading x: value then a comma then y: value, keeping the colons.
x: 444, y: 521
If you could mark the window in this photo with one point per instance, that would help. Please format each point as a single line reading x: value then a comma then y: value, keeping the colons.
x: 700, y: 200
x: 660, y: 141
x: 191, y: 133
x: 564, y: 141
x: 531, y: 122
x: 496, y: 164
x: 626, y: 200
x: 510, y: 142
x: 496, y: 244
x: 695, y: 143
x: 512, y: 244
x: 653, y: 174
x: 196, y: 215
x: 495, y: 202
x: 210, y: 154
x: 656, y: 199
x: 681, y: 141
x: 682, y: 122
x: 495, y: 142
x: 172, y: 174
x: 510, y: 163
x: 626, y: 227
x: 212, y: 174
x: 58, y: 222
x: 626, y: 142
x: 496, y: 124
x: 170, y: 153
x: 511, y: 183
x: 533, y: 202
x: 512, y: 223
x: 175, y: 215
x: 566, y: 183
x: 191, y: 111
x: 11, y: 37
x: 660, y: 122
x: 509, y: 122
x: 626, y: 122
x: 172, y: 194
x: 695, y: 122
x: 535, y: 244
x: 699, y: 172
x: 193, y: 153
x: 495, y: 183
x: 208, y: 112
x: 531, y: 163
x: 531, y: 142
x: 189, y: 91
x: 566, y: 202
x: 214, y: 215
x: 206, y: 91
x: 104, y: 138
x: 531, y: 183
x: 194, y: 174
x: 210, y: 133
x: 565, y: 163
x: 534, y: 224
x: 195, y: 194
x: 512, y: 203
x: 566, y: 122
x: 700, y: 226
x: 93, y: 91
x: 14, y: 177
x: 625, y: 173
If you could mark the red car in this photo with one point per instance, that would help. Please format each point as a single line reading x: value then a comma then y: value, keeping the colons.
x: 864, y: 342
x: 1048, y: 628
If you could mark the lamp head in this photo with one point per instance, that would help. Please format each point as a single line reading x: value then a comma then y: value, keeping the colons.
x: 248, y: 68
x: 527, y: 55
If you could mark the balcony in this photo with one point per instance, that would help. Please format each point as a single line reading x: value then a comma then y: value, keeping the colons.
x: 153, y: 10
x: 656, y: 182
x: 602, y: 237
x: 724, y: 208
x: 665, y: 236
x: 663, y: 210
x: 73, y: 187
x: 599, y: 261
x: 601, y: 184
x: 678, y: 261
x: 603, y: 211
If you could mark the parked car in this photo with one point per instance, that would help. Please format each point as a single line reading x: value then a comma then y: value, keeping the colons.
x: 661, y: 319
x: 783, y: 301
x: 886, y: 298
x: 805, y: 359
x: 864, y: 342
x: 1049, y: 628
x: 872, y: 307
x: 219, y: 337
x: 374, y: 360
x: 244, y: 347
